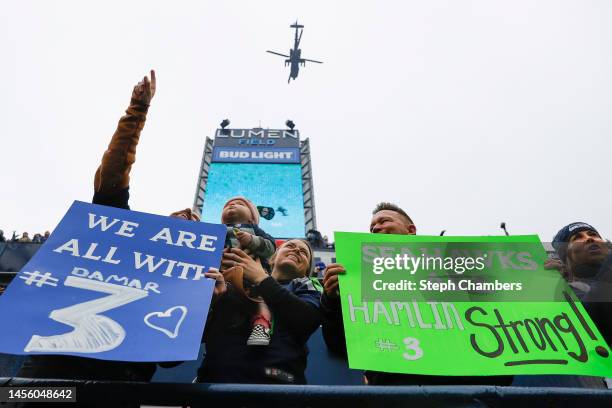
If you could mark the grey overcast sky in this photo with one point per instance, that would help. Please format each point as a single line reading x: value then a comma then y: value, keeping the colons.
x: 465, y: 113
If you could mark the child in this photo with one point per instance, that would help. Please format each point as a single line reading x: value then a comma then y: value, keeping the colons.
x: 242, y: 219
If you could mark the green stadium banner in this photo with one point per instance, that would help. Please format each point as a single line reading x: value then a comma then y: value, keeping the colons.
x: 462, y: 306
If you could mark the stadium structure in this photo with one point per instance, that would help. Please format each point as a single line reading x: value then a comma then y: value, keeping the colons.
x: 271, y: 167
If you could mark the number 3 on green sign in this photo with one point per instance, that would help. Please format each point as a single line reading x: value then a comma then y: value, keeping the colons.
x: 93, y: 333
x: 412, y: 345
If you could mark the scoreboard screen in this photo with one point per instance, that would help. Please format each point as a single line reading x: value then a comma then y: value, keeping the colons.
x: 272, y: 185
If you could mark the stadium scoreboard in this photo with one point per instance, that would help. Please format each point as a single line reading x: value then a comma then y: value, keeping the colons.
x: 270, y: 167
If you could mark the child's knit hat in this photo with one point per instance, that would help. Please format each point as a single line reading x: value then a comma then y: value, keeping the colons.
x: 250, y: 206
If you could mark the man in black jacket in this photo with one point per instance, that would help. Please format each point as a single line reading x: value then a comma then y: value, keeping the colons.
x: 387, y: 219
x: 588, y: 262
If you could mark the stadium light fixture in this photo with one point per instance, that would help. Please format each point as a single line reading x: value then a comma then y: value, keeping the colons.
x: 503, y: 226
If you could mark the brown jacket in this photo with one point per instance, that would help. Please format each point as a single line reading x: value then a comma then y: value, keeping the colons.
x: 113, y: 174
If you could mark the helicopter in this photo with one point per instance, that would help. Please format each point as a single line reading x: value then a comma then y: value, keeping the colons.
x: 295, y: 55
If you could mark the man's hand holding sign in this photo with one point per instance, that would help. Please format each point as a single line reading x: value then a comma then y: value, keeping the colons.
x: 330, y: 279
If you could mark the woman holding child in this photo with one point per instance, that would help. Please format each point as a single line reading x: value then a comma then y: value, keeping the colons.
x: 294, y: 303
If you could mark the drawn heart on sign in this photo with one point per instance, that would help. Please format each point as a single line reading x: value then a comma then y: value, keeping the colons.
x: 166, y: 316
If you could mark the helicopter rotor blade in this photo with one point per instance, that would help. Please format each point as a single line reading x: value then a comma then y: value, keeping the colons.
x: 278, y: 53
x: 309, y: 60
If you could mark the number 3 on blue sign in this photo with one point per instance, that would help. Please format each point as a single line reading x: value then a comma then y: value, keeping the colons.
x: 93, y: 333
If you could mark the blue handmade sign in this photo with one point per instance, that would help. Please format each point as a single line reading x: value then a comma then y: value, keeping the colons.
x: 114, y: 284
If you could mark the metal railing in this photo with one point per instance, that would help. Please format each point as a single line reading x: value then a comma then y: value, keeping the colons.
x: 254, y: 395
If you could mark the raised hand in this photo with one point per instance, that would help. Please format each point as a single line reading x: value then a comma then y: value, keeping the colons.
x: 145, y: 90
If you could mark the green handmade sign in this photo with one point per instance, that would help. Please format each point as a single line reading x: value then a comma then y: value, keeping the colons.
x: 465, y: 306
